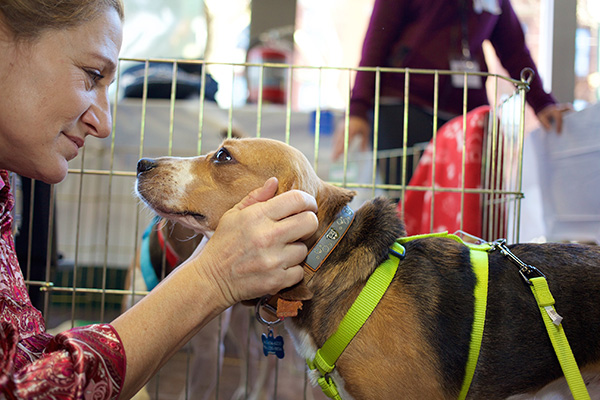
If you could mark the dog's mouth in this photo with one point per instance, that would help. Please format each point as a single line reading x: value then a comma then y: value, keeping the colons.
x: 192, y: 220
x: 189, y: 219
x: 197, y: 216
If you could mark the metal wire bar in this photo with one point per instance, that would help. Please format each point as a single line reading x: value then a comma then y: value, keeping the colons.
x: 516, y: 82
x: 136, y: 232
x: 436, y: 94
x: 318, y: 123
x: 201, y: 110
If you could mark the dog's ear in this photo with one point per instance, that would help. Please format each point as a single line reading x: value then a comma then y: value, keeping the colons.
x: 331, y: 199
x: 235, y: 133
x: 297, y: 292
x: 305, y: 180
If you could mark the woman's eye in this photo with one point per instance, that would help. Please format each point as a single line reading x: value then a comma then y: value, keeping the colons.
x: 94, y: 75
x: 222, y: 155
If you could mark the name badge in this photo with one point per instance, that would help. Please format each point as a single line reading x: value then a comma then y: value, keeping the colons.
x: 468, y: 66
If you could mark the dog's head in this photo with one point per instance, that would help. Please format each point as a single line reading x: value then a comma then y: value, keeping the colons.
x: 197, y: 191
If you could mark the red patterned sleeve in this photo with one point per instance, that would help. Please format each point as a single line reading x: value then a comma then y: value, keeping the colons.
x: 81, y: 363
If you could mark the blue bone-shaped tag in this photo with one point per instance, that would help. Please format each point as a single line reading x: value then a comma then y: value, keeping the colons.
x: 272, y: 345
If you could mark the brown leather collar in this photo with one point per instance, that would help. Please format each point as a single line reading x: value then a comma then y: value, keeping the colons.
x: 328, y: 241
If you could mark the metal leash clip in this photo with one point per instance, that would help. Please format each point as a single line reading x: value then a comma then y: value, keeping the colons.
x: 263, y: 303
x: 527, y: 271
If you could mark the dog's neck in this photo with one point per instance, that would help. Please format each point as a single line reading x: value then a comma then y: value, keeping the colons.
x: 330, y: 200
x: 375, y: 228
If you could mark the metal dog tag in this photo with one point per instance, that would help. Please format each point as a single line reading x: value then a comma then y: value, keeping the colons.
x: 272, y: 345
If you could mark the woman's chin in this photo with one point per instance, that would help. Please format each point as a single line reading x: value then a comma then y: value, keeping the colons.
x: 53, y: 175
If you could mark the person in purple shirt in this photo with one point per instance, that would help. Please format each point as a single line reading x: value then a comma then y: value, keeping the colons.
x: 436, y: 35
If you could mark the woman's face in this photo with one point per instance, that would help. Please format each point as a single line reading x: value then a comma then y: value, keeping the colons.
x: 53, y: 93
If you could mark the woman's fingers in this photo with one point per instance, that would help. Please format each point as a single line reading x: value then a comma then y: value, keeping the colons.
x: 296, y: 227
x: 264, y: 193
x: 288, y: 204
x: 257, y: 247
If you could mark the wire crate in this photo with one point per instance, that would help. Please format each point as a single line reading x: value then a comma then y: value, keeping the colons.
x: 99, y: 222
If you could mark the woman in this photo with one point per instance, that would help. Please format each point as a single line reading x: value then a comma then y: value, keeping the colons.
x: 57, y: 60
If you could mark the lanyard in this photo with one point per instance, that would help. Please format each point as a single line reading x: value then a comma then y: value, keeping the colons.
x: 464, y: 22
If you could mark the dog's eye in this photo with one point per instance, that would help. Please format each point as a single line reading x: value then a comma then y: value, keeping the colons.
x: 222, y: 155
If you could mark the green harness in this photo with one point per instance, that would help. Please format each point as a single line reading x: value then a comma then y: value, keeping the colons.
x: 376, y: 286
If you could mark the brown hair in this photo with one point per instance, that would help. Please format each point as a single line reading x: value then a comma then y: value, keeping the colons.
x: 27, y: 19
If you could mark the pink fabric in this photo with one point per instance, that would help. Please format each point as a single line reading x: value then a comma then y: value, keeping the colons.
x: 447, y: 213
x: 82, y: 363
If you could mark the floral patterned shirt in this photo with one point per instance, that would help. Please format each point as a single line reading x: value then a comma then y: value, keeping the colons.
x: 81, y: 363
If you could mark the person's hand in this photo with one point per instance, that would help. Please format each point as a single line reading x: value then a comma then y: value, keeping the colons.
x: 257, y: 247
x: 553, y: 114
x: 358, y: 128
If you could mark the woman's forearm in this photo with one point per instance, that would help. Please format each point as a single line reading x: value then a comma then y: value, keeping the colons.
x: 159, y: 325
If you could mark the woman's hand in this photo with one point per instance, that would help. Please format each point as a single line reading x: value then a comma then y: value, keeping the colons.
x: 255, y: 250
x: 358, y: 128
x: 553, y: 114
x: 257, y: 247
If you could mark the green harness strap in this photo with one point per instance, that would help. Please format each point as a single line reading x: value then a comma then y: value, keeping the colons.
x: 380, y: 280
x: 354, y: 319
x: 479, y: 264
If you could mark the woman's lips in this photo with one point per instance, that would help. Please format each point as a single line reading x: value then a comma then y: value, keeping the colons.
x: 77, y: 140
x: 77, y: 144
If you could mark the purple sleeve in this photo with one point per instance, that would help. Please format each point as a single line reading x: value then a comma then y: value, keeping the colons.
x: 386, y: 21
x: 508, y: 40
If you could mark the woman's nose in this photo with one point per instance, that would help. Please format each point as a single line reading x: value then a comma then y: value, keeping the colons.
x: 98, y: 117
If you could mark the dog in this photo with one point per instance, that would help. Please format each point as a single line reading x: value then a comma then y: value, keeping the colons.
x: 415, y: 344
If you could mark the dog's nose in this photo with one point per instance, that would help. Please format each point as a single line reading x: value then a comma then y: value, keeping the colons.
x: 145, y: 164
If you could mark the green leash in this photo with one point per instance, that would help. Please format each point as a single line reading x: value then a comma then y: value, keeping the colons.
x: 539, y: 287
x: 479, y: 264
x: 552, y: 320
